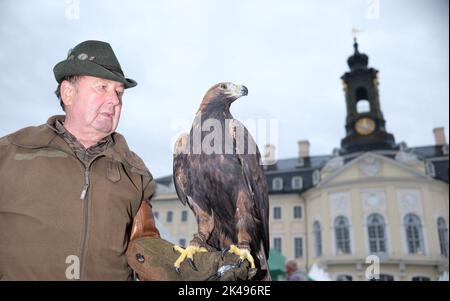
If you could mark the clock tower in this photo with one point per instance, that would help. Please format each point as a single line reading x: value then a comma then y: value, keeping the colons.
x: 365, y: 125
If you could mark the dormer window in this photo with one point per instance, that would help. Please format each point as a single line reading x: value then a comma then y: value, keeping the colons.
x: 277, y: 184
x: 297, y: 182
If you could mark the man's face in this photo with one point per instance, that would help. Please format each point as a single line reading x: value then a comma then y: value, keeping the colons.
x: 95, y: 105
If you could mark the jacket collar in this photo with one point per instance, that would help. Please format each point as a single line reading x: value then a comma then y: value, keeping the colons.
x: 46, y: 135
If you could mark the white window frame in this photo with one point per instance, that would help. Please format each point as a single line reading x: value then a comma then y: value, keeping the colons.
x: 171, y: 217
x: 301, y: 212
x: 316, y: 244
x: 335, y: 244
x: 302, y: 246
x: 273, y: 213
x: 281, y: 243
x: 294, y: 180
x: 181, y: 216
x: 443, y: 245
x: 384, y: 234
x: 277, y: 184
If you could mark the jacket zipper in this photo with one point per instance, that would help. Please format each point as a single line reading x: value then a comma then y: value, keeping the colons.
x: 84, y: 197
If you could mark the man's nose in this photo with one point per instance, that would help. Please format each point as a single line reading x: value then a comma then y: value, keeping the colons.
x: 113, y: 98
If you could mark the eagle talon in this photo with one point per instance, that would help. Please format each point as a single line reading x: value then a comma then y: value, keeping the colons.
x: 243, y: 253
x: 239, y: 263
x: 177, y: 270
x: 188, y: 254
x: 191, y: 262
x: 224, y: 252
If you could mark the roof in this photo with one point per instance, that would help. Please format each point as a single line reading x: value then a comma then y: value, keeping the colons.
x: 286, y: 169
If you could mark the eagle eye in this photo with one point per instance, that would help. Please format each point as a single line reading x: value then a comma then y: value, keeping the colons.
x: 223, y: 86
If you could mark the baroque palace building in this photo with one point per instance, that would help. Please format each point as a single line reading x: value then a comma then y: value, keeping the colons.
x: 372, y: 196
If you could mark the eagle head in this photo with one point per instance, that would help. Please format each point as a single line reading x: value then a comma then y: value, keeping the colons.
x: 222, y: 95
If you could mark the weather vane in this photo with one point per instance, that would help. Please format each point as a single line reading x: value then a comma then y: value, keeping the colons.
x: 355, y: 31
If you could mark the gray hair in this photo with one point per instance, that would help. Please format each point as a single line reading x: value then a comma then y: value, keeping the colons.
x: 73, y: 79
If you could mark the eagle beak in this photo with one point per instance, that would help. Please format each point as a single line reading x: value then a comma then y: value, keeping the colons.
x: 244, y: 90
x: 239, y: 90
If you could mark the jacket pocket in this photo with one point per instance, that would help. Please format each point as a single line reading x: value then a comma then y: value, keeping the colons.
x: 112, y: 171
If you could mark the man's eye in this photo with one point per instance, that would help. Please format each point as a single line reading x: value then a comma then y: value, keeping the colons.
x: 119, y: 93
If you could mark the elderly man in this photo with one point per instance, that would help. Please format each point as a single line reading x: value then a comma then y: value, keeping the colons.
x: 73, y: 195
x: 293, y: 273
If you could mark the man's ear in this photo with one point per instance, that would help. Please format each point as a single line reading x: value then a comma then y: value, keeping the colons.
x: 67, y: 92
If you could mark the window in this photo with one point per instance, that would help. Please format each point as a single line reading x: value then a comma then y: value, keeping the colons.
x: 298, y: 247
x: 156, y: 214
x: 277, y: 244
x: 297, y: 182
x: 169, y: 216
x: 361, y: 93
x: 182, y: 242
x: 414, y: 236
x: 317, y: 234
x: 342, y: 233
x: 443, y: 236
x: 316, y: 177
x: 344, y: 277
x: 421, y: 278
x: 276, y: 212
x: 277, y: 184
x: 297, y: 212
x: 376, y: 233
x: 184, y: 215
x: 429, y: 168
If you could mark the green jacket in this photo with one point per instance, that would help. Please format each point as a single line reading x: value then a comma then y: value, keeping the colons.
x: 52, y: 208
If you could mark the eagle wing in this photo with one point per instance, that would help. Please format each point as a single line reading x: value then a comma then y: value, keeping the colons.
x: 180, y: 169
x: 249, y: 158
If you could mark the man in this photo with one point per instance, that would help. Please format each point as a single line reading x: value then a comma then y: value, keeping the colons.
x: 73, y: 195
x: 293, y: 273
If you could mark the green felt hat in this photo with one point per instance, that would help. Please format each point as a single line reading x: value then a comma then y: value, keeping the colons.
x: 94, y: 58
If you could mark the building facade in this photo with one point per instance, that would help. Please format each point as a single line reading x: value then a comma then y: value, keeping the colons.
x: 372, y: 209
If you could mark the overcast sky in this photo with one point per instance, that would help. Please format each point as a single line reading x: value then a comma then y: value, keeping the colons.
x: 290, y: 55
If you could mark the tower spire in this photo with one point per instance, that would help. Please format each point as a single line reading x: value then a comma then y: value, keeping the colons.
x: 365, y: 124
x: 355, y: 45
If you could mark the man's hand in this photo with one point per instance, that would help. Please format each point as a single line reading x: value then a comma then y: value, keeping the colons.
x: 152, y: 259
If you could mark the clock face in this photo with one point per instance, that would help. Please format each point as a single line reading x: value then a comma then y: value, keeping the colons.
x: 365, y: 126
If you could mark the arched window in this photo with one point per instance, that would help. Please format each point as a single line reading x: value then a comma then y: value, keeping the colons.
x: 317, y: 234
x: 429, y: 168
x: 443, y: 236
x: 342, y: 233
x: 362, y: 103
x: 316, y: 177
x: 361, y: 93
x: 277, y: 183
x: 414, y: 235
x: 376, y: 233
x: 297, y: 182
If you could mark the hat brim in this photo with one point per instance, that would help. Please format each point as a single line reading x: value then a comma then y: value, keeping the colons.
x: 86, y: 67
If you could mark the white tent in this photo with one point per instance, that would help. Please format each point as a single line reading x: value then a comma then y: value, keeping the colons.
x: 318, y: 273
x: 443, y: 277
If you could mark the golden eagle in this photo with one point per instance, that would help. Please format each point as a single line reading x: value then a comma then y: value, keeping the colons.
x: 217, y: 172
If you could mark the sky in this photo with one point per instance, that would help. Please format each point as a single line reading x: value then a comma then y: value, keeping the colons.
x: 289, y: 53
